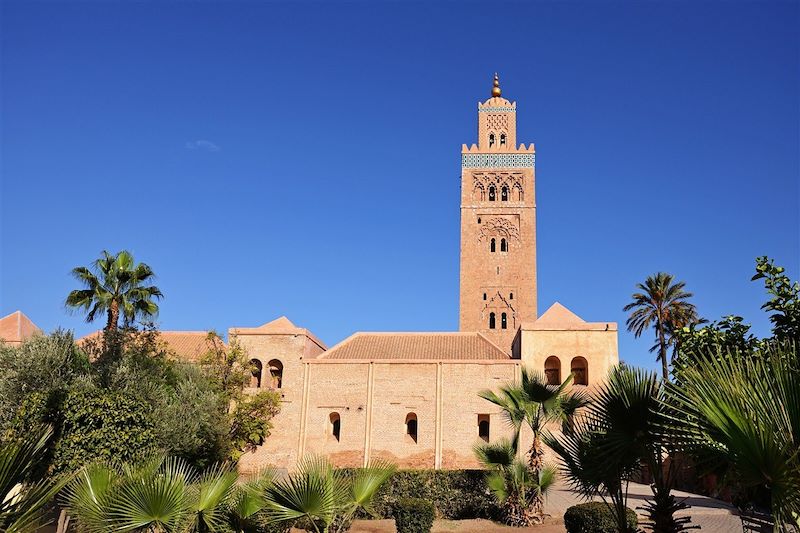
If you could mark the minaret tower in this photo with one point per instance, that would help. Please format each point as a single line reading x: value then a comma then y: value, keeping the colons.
x: 498, y: 226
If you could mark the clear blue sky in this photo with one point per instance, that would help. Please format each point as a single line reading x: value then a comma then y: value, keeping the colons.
x: 303, y: 159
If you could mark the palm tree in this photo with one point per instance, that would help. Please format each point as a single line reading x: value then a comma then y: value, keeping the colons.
x: 663, y: 304
x: 115, y: 285
x: 745, y: 411
x: 319, y: 498
x: 618, y: 435
x: 534, y: 403
x: 516, y: 487
x: 23, y: 500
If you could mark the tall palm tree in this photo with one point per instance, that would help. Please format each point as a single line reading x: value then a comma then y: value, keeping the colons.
x: 117, y: 286
x: 745, y: 411
x: 663, y: 304
x: 23, y: 500
x: 515, y: 486
x: 534, y: 403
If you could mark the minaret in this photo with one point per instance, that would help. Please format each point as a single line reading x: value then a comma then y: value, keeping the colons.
x: 498, y: 225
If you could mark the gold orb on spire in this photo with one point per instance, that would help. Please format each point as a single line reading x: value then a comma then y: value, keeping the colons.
x: 496, y: 89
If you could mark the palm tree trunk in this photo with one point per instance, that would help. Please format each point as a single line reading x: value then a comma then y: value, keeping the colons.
x: 113, y: 316
x: 662, y: 351
x: 536, y: 461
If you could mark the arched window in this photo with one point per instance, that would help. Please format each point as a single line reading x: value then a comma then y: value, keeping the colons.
x: 504, y: 194
x: 336, y: 425
x: 510, y: 295
x: 503, y: 321
x: 502, y: 139
x: 484, y: 296
x: 552, y: 370
x: 491, y: 193
x: 255, y: 373
x: 580, y: 368
x: 491, y: 139
x: 483, y: 427
x: 491, y: 321
x: 503, y: 245
x: 520, y: 194
x: 411, y: 426
x: 276, y: 373
x: 492, y: 245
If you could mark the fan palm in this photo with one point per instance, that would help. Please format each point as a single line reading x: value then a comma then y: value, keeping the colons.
x: 747, y: 411
x: 663, y: 304
x: 23, y: 501
x: 163, y: 495
x: 319, y: 498
x: 620, y: 427
x: 117, y: 286
x: 516, y: 487
x: 534, y: 403
x: 248, y: 500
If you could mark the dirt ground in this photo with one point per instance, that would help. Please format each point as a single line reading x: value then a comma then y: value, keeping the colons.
x: 551, y: 525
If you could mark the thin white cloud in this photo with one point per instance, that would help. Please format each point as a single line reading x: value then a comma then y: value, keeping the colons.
x: 202, y: 144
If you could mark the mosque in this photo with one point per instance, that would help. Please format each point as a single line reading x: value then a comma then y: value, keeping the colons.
x: 412, y: 398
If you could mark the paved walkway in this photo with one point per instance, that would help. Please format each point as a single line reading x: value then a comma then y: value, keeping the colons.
x: 710, y: 514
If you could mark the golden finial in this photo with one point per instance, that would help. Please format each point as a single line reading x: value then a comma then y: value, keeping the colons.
x: 496, y: 88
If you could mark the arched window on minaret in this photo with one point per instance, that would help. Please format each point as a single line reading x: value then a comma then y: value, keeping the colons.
x: 491, y: 193
x: 491, y: 321
x: 504, y: 193
x: 503, y: 245
x: 502, y: 139
x: 492, y: 245
x: 491, y: 140
x: 504, y: 321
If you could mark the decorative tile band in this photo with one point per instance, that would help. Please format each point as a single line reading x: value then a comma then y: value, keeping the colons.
x: 496, y: 109
x: 498, y: 160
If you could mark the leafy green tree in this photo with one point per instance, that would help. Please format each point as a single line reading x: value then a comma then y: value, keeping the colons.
x: 24, y: 499
x: 103, y: 425
x: 518, y: 489
x: 534, y: 403
x: 784, y: 303
x: 317, y: 497
x: 250, y: 414
x: 662, y: 304
x: 729, y: 335
x: 118, y: 286
x: 746, y: 412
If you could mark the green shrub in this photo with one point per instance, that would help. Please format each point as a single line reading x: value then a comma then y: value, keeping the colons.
x: 413, y: 515
x: 594, y: 517
x: 455, y: 494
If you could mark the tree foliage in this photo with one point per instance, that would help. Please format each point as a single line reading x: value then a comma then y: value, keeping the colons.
x: 784, y: 302
x: 663, y: 305
x: 744, y: 411
x: 116, y: 285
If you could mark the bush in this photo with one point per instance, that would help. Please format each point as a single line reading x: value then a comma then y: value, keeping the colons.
x: 413, y: 515
x: 455, y: 494
x: 594, y: 517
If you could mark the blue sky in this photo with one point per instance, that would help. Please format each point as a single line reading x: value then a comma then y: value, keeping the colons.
x: 303, y: 159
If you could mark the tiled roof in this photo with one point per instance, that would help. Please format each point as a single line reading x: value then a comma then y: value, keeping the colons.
x: 186, y: 345
x: 189, y: 345
x: 16, y: 327
x: 425, y: 346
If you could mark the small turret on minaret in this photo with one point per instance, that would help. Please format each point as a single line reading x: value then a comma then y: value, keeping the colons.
x: 497, y: 122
